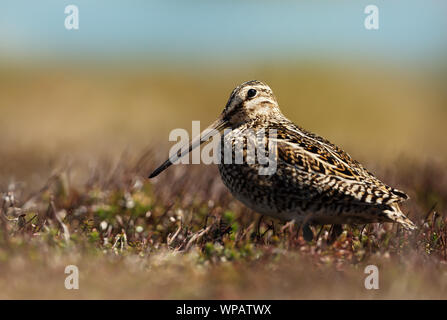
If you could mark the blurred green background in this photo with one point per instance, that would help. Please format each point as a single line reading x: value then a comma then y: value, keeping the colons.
x: 134, y: 71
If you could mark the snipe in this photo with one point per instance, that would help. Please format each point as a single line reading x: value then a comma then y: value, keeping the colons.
x: 315, y: 182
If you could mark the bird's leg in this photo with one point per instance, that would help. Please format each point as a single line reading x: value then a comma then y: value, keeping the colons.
x: 334, y: 233
x: 361, y: 232
x: 270, y: 226
x: 258, y: 228
x: 308, y: 235
x: 319, y: 233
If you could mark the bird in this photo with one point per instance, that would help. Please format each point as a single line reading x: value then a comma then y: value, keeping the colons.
x: 314, y: 182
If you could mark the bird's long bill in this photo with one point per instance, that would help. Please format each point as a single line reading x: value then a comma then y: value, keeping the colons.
x: 215, y: 127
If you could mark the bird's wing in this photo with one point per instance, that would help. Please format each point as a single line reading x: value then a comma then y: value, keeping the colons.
x: 330, y: 170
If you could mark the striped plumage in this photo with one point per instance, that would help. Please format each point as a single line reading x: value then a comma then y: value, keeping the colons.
x: 315, y: 182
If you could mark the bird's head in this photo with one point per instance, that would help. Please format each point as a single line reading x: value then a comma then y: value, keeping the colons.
x: 251, y: 101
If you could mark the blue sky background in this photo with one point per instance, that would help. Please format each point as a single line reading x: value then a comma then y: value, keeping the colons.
x: 412, y: 32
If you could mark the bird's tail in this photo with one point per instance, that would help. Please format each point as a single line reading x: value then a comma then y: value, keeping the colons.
x: 396, y: 215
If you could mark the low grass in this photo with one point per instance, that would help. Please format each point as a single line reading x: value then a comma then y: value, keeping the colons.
x: 184, y: 236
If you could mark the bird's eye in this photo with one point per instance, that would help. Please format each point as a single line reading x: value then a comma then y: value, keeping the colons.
x: 251, y: 93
